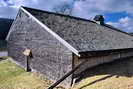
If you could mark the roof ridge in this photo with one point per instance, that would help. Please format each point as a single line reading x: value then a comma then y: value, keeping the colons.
x: 79, y: 18
x: 70, y: 16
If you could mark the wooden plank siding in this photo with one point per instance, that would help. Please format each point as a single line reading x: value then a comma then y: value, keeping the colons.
x: 50, y: 57
x: 92, y: 61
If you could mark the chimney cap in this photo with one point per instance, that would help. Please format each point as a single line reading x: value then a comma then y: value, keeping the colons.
x: 99, y: 18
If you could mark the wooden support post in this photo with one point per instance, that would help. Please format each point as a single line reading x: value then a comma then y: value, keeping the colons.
x: 65, y: 76
x: 28, y: 69
x: 28, y: 54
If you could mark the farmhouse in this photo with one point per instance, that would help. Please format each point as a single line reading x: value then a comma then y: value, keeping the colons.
x: 59, y: 43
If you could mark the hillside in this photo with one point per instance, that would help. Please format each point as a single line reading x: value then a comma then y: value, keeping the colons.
x: 3, y: 45
x: 4, y: 27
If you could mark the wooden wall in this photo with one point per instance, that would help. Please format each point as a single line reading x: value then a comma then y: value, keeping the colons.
x: 50, y: 57
x: 96, y: 60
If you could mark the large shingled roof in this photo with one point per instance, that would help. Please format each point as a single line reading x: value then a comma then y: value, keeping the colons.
x: 83, y: 35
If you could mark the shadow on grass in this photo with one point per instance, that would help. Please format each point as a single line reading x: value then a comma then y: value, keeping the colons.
x: 121, y: 67
x: 96, y: 81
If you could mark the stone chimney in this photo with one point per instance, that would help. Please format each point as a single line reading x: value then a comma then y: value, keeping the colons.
x: 99, y: 19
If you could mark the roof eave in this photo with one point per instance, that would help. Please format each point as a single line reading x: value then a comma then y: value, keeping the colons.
x: 84, y: 54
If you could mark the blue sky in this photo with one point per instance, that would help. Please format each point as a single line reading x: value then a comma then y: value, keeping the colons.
x: 118, y: 13
x: 115, y: 16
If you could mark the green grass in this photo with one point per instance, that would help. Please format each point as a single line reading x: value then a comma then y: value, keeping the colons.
x: 14, y: 77
x: 115, y: 75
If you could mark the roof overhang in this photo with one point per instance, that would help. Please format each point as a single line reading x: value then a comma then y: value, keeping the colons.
x: 103, y: 52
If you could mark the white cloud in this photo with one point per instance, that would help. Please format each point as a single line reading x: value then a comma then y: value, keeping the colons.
x: 11, y: 6
x: 81, y: 8
x: 8, y: 12
x: 89, y: 8
x: 125, y: 24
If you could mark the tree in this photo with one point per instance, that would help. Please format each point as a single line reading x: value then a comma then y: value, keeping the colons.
x: 64, y: 8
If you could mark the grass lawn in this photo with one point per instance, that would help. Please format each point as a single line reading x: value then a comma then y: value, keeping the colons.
x: 14, y: 77
x: 115, y: 75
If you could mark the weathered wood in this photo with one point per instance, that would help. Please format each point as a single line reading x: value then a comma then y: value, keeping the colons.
x: 66, y: 75
x: 99, y: 59
x: 50, y: 57
x: 28, y: 69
